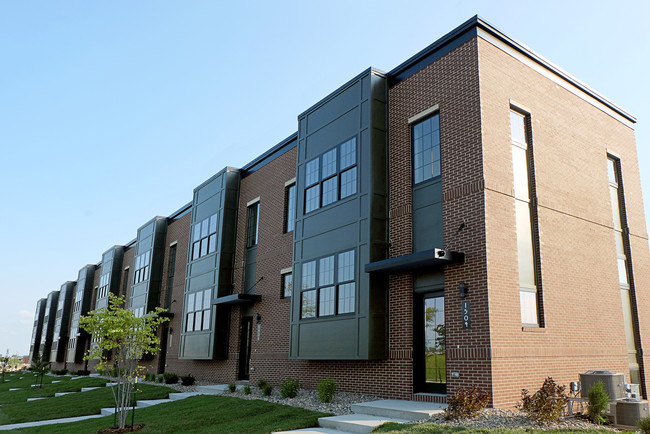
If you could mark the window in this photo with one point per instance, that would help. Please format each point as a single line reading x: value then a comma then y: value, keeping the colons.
x: 141, y: 267
x: 426, y: 149
x: 104, y: 280
x: 328, y: 286
x: 170, y: 273
x: 287, y: 285
x: 331, y: 176
x: 204, y: 237
x: 253, y: 224
x: 76, y: 307
x: 198, y: 310
x: 290, y: 208
x: 126, y: 279
x: 528, y: 296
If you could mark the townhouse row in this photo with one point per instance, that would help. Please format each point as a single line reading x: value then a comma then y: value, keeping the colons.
x: 471, y: 218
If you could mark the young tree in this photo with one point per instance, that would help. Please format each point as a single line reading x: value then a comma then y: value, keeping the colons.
x: 40, y: 366
x: 128, y: 338
x: 4, y: 364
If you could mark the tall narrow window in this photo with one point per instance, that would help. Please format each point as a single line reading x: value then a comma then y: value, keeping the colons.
x: 523, y: 215
x: 287, y: 285
x: 170, y: 274
x: 426, y: 149
x: 621, y: 238
x: 290, y: 208
x: 125, y: 281
x: 253, y: 224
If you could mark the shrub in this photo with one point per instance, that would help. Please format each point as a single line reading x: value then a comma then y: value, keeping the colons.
x: 267, y: 390
x: 466, y: 403
x: 289, y: 388
x: 74, y: 373
x: 644, y: 424
x: 326, y: 389
x: 83, y: 372
x: 170, y: 378
x: 187, y: 380
x: 59, y: 371
x: 261, y: 383
x: 232, y: 387
x: 598, y: 400
x: 150, y: 377
x: 247, y: 390
x: 547, y: 403
x: 160, y: 378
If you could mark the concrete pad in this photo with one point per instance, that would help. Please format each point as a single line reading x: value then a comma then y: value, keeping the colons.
x: 108, y: 411
x: 399, y: 409
x: 35, y: 399
x: 216, y: 389
x: 356, y: 423
x: 15, y: 388
x: 111, y: 384
x: 151, y: 402
x: 56, y: 381
x: 56, y: 395
x: 46, y: 422
x: 77, y: 378
x: 95, y: 374
x: 87, y: 389
x: 182, y: 395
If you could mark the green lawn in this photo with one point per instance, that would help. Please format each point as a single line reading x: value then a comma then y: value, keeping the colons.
x: 396, y: 428
x: 200, y: 414
x: 16, y: 409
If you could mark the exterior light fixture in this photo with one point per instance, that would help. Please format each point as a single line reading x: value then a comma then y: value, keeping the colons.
x: 463, y: 290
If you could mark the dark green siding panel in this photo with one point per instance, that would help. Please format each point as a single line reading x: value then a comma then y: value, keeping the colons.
x: 203, y: 265
x: 427, y: 216
x: 324, y: 339
x: 358, y: 222
x: 197, y: 346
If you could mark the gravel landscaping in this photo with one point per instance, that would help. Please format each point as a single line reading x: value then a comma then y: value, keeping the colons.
x: 489, y: 418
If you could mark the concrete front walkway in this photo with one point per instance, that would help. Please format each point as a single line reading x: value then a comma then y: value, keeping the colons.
x: 47, y: 422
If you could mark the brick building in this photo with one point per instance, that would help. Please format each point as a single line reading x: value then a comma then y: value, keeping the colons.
x: 472, y: 217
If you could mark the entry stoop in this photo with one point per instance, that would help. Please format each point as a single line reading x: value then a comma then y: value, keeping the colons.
x: 398, y: 409
x: 356, y: 423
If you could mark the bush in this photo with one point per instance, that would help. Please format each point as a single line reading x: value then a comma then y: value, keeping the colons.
x: 289, y: 388
x: 187, y: 380
x: 59, y: 371
x: 267, y: 390
x: 232, y: 387
x: 170, y: 378
x: 83, y: 372
x: 466, y: 403
x: 644, y: 424
x: 326, y: 389
x: 598, y: 400
x: 261, y: 383
x: 150, y: 377
x: 247, y: 390
x: 160, y: 378
x: 547, y: 404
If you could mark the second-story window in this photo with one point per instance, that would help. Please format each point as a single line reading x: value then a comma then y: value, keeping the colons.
x: 426, y: 149
x: 290, y: 208
x: 141, y: 267
x: 102, y: 291
x: 331, y: 176
x: 204, y: 237
x: 253, y: 224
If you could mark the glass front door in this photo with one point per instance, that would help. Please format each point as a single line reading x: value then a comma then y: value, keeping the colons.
x: 432, y: 364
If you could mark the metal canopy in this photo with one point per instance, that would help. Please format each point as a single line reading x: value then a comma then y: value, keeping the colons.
x: 434, y: 258
x: 237, y: 299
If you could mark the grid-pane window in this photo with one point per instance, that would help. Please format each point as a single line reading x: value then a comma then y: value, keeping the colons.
x: 142, y: 267
x: 331, y: 176
x: 197, y: 317
x: 287, y: 285
x: 290, y: 208
x: 204, y: 237
x: 328, y: 286
x: 253, y: 224
x: 526, y: 253
x: 426, y: 149
x: 102, y: 291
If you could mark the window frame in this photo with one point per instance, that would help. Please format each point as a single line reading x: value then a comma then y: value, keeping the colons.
x: 336, y: 283
x: 290, y: 206
x: 319, y: 184
x: 283, y: 284
x: 412, y: 124
x: 252, y: 238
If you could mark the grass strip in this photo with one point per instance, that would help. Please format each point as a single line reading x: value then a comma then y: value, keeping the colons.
x: 75, y: 404
x: 200, y: 414
x: 48, y: 389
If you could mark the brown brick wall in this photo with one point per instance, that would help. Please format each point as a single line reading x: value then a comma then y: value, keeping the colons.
x: 582, y: 307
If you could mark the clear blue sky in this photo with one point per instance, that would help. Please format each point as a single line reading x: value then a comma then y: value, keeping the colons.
x: 112, y: 112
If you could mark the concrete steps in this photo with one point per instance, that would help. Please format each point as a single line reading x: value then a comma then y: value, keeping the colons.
x: 355, y: 423
x: 107, y: 411
x: 35, y: 399
x: 150, y: 402
x: 182, y: 395
x: 88, y: 389
x: 56, y: 395
x: 398, y: 409
x: 317, y: 430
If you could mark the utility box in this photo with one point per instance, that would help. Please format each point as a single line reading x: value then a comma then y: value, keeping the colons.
x: 629, y: 411
x: 614, y: 383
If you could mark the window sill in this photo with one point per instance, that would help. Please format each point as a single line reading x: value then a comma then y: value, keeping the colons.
x: 532, y: 329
